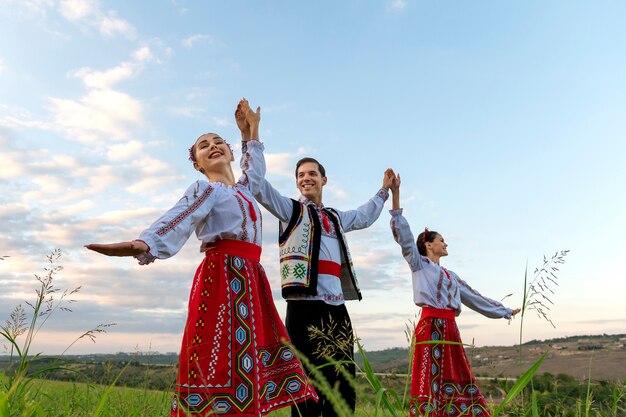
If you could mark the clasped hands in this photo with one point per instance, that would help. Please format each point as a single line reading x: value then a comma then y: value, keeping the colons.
x: 247, y: 120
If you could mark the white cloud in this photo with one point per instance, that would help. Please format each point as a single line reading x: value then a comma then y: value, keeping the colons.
x: 72, y: 209
x: 120, y: 216
x: 103, y: 176
x: 280, y: 164
x: 13, y: 209
x: 398, y: 4
x: 143, y: 54
x: 181, y: 9
x: 90, y: 13
x: 11, y: 166
x: 110, y: 25
x: 77, y: 9
x: 3, y: 67
x: 104, y: 79
x: 49, y: 184
x: 151, y: 185
x: 99, y: 113
x: 123, y: 151
x: 191, y: 40
x: 59, y: 161
x: 108, y: 78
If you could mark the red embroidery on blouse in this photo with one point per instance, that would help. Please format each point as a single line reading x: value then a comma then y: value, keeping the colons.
x: 439, y: 284
x: 182, y: 216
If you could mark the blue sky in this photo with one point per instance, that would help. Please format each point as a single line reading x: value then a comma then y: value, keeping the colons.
x: 505, y: 121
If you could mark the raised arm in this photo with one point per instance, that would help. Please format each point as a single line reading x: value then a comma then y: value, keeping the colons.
x: 253, y: 164
x: 400, y: 227
x: 366, y: 214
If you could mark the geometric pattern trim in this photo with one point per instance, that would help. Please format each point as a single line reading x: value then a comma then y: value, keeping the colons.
x: 233, y: 359
x: 442, y: 383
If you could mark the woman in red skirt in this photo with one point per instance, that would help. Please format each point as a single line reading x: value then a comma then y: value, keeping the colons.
x: 442, y: 383
x: 233, y: 358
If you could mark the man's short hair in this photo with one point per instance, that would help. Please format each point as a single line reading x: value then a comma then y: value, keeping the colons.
x: 307, y: 159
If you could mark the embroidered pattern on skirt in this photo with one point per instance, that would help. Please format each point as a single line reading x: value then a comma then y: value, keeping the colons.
x: 442, y: 383
x: 233, y: 359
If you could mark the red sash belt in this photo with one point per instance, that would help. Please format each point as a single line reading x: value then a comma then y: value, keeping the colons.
x: 235, y: 248
x: 329, y: 268
x: 441, y: 313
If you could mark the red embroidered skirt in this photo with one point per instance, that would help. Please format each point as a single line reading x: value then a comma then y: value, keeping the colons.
x: 233, y: 359
x: 442, y: 383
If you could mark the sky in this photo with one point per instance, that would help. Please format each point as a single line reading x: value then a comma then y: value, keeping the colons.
x: 505, y: 120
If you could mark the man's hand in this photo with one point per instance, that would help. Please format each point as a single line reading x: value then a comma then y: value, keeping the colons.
x: 388, y: 179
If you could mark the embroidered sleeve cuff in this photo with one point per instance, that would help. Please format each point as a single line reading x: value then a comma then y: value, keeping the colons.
x: 145, y: 258
x: 252, y: 143
x: 148, y: 256
x: 396, y: 213
x: 383, y: 193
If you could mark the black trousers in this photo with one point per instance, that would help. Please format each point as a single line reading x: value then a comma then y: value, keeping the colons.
x: 332, y: 337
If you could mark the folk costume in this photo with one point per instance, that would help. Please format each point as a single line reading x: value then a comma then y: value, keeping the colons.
x: 317, y: 277
x: 233, y: 358
x: 442, y: 383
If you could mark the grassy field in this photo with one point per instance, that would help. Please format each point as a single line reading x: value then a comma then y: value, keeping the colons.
x: 56, y: 398
x: 74, y: 399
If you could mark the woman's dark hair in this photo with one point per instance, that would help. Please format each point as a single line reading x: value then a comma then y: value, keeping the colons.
x: 421, y: 240
x: 307, y: 159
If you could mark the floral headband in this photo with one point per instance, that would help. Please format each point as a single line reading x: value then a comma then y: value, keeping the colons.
x: 424, y: 236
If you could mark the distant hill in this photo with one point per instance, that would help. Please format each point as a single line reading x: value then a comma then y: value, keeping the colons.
x: 603, y: 356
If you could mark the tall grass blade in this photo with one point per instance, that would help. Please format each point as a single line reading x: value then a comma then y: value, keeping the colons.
x: 521, y: 323
x: 519, y: 385
x: 381, y: 393
x: 533, y: 404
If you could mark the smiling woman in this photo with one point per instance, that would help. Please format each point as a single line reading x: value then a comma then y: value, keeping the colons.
x: 442, y: 382
x: 232, y: 320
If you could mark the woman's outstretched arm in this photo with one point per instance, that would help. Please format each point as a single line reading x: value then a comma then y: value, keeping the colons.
x: 134, y: 248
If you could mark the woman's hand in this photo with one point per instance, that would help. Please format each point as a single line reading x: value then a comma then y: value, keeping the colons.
x: 136, y: 247
x: 242, y: 123
x: 395, y: 183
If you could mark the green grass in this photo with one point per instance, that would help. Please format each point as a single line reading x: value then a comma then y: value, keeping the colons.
x: 57, y: 398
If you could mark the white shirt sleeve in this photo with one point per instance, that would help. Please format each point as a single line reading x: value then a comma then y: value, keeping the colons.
x: 479, y: 303
x: 364, y: 215
x: 277, y: 204
x: 404, y: 237
x: 168, y: 234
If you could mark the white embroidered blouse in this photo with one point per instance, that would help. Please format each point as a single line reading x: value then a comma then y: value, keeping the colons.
x: 435, y: 286
x: 213, y: 210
